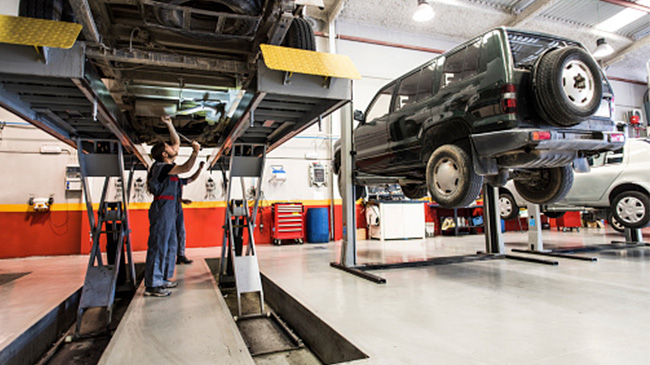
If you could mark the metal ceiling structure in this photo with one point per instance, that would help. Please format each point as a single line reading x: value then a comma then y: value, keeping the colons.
x: 458, y: 20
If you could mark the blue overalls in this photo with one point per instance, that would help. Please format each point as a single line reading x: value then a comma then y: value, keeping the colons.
x: 164, y: 210
x: 180, y: 220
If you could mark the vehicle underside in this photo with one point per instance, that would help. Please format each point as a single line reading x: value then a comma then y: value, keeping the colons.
x: 187, y: 59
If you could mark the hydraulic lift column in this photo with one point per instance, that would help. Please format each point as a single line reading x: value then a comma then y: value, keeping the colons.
x: 349, y: 245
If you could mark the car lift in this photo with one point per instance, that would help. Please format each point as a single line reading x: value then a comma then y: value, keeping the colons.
x: 104, y: 158
x: 494, y: 244
x: 633, y: 239
x: 246, y: 161
x: 295, y: 88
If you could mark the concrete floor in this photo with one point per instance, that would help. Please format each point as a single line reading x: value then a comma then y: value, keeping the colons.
x: 498, y: 311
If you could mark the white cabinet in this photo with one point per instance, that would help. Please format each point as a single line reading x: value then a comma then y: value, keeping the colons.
x: 396, y: 220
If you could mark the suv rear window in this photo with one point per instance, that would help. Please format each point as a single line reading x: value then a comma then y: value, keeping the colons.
x: 526, y: 48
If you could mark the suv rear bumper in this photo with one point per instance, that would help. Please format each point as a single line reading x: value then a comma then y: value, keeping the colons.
x: 518, y: 148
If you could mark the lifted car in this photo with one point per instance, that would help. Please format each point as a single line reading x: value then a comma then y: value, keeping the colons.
x: 191, y: 59
x: 617, y: 189
x: 508, y: 104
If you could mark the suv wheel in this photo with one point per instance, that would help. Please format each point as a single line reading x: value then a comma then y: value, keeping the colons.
x: 508, y: 208
x: 546, y: 185
x: 569, y: 86
x: 631, y: 209
x: 359, y: 190
x: 554, y: 215
x: 414, y: 191
x: 450, y: 177
x: 300, y: 35
x: 615, y: 223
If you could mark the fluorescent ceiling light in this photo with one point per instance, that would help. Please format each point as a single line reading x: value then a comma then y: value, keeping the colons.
x: 424, y: 12
x: 620, y: 19
x: 603, y: 49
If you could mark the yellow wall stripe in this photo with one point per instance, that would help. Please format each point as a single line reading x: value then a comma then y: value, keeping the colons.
x: 62, y: 207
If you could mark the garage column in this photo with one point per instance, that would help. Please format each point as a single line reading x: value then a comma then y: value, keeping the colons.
x: 349, y: 245
x: 492, y: 221
x: 535, y: 242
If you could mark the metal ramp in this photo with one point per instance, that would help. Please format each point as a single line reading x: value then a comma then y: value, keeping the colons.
x: 293, y: 90
x: 246, y: 161
x: 104, y: 158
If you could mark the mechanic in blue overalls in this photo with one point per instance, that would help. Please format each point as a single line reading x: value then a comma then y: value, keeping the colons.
x: 180, y: 220
x: 163, y: 183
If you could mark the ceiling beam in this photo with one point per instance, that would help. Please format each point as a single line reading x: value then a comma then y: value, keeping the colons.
x: 334, y: 13
x: 629, y: 4
x: 530, y: 12
x: 619, y: 56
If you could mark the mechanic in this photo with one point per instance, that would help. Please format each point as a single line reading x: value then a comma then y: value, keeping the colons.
x: 163, y: 184
x: 180, y: 220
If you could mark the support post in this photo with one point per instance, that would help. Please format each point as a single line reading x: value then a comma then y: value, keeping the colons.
x: 349, y: 244
x: 534, y: 228
x: 492, y: 221
x: 633, y: 235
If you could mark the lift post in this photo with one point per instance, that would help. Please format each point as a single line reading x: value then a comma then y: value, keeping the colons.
x: 535, y: 241
x: 104, y: 158
x: 246, y: 161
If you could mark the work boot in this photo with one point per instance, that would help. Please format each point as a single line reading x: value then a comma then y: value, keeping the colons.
x: 168, y: 284
x: 183, y: 260
x: 156, y: 291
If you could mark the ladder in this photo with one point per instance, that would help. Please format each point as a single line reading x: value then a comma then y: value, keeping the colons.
x: 246, y: 161
x: 104, y: 158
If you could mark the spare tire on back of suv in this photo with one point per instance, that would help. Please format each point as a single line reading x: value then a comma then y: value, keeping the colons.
x: 568, y: 86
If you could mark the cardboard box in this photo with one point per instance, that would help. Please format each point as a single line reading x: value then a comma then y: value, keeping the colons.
x: 361, y: 234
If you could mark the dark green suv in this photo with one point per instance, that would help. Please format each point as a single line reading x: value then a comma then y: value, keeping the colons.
x: 508, y: 104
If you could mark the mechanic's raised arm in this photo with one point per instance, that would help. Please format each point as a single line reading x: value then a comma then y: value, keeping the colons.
x: 197, y: 173
x: 187, y: 166
x: 175, y: 140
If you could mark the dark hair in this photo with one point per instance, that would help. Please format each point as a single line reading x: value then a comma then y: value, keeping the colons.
x: 157, y: 154
x: 157, y: 151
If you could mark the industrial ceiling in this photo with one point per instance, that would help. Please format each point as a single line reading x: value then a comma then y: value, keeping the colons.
x: 459, y: 20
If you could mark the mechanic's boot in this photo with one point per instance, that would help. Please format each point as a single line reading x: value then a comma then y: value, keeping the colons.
x: 183, y: 260
x: 157, y: 291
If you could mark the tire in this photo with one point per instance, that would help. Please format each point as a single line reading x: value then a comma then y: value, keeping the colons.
x: 42, y: 9
x: 359, y: 190
x: 554, y: 215
x: 451, y: 180
x: 414, y: 191
x: 508, y: 208
x: 615, y: 223
x: 174, y: 18
x: 300, y: 35
x: 552, y: 185
x: 632, y: 209
x: 563, y: 103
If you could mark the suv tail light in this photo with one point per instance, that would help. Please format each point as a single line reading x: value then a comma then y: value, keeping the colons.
x: 617, y: 137
x: 509, y: 99
x: 540, y: 135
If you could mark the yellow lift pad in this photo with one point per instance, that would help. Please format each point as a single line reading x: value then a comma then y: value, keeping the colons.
x: 309, y: 62
x: 38, y: 32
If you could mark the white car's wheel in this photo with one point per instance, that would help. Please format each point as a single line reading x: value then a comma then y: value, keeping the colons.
x: 508, y: 208
x: 632, y: 209
x: 618, y: 227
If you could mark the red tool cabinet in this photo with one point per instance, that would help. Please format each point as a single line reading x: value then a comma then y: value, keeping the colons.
x: 569, y: 221
x: 288, y: 222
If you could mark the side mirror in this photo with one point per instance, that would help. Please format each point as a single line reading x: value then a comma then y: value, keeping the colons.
x: 358, y: 115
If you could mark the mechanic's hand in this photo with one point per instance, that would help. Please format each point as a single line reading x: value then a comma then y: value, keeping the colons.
x: 186, y: 201
x: 196, y: 146
x: 166, y: 119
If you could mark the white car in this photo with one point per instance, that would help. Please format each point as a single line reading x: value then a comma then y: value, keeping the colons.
x: 618, y: 186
